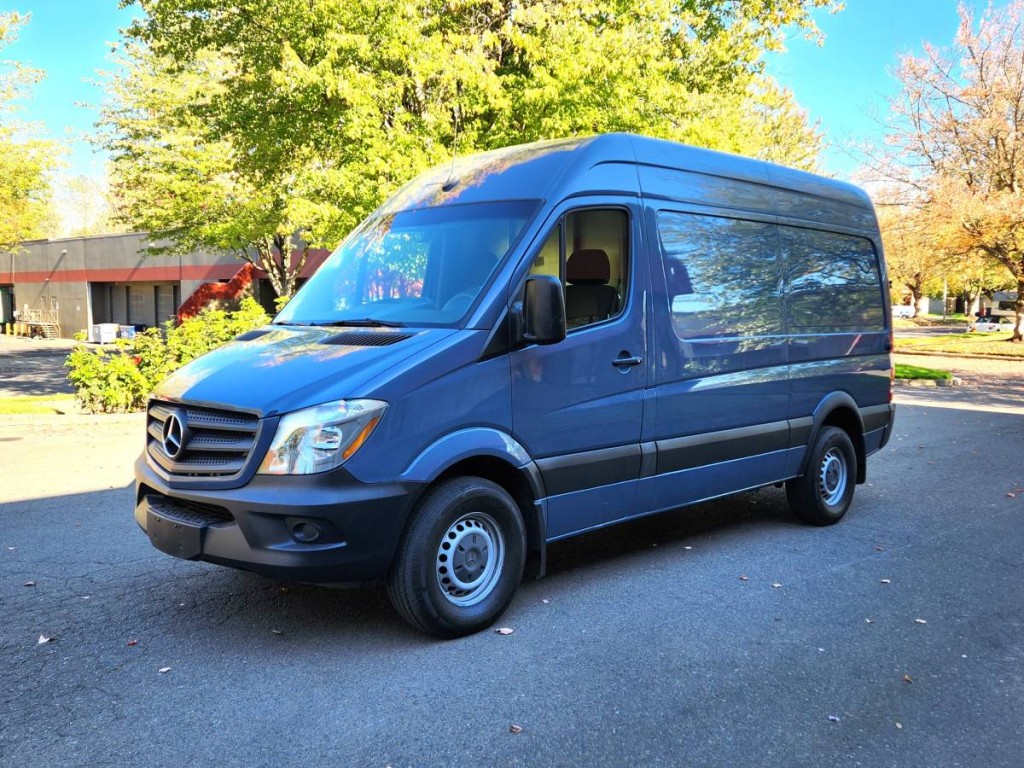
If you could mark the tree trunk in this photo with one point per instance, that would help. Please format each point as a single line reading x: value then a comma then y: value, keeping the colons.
x: 916, y: 294
x: 286, y: 275
x: 274, y: 256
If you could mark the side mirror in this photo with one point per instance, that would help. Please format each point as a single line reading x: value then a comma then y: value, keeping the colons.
x: 543, y: 310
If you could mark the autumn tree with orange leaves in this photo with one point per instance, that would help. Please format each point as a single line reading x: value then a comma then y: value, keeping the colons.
x: 956, y: 145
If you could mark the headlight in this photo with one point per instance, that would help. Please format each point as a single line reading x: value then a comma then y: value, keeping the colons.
x: 322, y: 437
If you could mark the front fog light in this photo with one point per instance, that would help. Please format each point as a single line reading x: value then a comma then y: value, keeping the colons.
x: 322, y: 437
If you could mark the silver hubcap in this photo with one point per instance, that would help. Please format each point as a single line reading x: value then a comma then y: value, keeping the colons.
x: 469, y: 559
x: 832, y: 477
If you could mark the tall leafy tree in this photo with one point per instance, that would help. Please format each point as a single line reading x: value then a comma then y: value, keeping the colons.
x: 914, y: 262
x: 957, y: 141
x: 255, y: 125
x: 25, y: 164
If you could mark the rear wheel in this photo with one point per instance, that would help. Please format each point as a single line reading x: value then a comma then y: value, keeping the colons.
x: 460, y: 560
x: 824, y: 493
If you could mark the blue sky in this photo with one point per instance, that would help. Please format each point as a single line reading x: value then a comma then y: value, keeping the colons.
x: 846, y: 83
x: 839, y: 84
x: 69, y: 39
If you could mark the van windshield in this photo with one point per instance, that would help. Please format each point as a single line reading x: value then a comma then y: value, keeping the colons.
x: 421, y: 267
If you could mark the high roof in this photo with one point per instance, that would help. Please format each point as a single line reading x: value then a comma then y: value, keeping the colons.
x: 551, y: 169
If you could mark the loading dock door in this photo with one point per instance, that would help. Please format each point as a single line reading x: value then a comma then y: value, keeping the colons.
x: 6, y: 304
x: 164, y: 303
x: 118, y: 305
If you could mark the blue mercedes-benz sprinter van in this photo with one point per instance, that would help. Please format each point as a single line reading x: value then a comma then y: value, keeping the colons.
x: 531, y: 344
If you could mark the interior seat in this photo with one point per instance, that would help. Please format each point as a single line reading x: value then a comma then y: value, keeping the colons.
x: 588, y: 296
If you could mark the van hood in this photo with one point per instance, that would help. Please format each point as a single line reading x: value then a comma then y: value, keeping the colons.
x: 276, y: 370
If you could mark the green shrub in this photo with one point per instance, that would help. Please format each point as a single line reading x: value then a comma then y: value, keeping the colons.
x: 119, y: 379
x: 107, y: 380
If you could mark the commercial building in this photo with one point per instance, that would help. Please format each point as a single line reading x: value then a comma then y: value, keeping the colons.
x: 65, y: 286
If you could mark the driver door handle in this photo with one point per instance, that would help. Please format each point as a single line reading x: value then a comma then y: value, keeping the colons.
x: 623, y: 362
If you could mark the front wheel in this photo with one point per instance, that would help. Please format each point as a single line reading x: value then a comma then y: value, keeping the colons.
x: 823, y: 494
x: 460, y: 560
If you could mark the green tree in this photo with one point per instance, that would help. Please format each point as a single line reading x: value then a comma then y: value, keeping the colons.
x: 25, y: 164
x: 259, y: 124
x: 84, y: 205
x: 957, y: 140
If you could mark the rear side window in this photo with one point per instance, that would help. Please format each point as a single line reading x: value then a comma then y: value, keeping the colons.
x: 832, y: 280
x: 722, y: 275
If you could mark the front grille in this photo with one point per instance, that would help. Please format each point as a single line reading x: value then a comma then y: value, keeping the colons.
x: 189, y: 512
x: 214, y: 443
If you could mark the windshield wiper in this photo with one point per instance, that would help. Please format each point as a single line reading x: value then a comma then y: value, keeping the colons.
x: 362, y: 322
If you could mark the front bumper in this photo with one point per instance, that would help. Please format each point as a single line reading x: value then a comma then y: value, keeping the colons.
x: 268, y: 525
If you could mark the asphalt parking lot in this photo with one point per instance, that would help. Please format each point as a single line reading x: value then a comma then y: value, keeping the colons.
x: 724, y: 634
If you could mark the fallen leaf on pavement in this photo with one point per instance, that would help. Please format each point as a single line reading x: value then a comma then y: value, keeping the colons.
x: 920, y: 621
x: 43, y: 639
x: 164, y: 670
x: 907, y: 679
x: 504, y: 631
x: 29, y: 584
x: 515, y: 729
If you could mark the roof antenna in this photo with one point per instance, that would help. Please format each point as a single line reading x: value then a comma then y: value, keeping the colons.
x: 449, y: 185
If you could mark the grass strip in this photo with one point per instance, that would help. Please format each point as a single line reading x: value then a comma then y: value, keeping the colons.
x: 30, y: 404
x: 917, y: 372
x: 991, y: 344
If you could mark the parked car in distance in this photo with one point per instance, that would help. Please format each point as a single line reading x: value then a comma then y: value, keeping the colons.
x: 524, y: 346
x: 991, y: 324
x: 902, y: 310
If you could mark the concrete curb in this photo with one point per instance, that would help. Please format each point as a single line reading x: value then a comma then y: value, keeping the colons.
x: 956, y: 381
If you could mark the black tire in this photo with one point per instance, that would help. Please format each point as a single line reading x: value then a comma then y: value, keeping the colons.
x: 823, y: 494
x: 460, y: 559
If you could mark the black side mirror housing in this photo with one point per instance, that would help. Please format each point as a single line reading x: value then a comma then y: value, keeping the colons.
x: 543, y: 310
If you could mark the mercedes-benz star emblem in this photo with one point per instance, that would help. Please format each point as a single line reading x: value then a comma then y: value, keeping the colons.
x: 174, y: 435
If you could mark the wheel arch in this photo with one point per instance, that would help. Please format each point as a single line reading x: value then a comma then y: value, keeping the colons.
x: 495, y: 456
x: 839, y: 409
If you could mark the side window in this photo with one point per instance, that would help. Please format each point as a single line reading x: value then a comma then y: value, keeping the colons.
x: 589, y: 252
x: 832, y: 280
x: 722, y: 275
